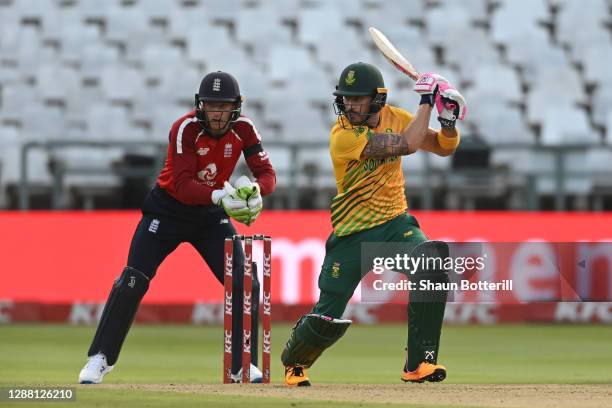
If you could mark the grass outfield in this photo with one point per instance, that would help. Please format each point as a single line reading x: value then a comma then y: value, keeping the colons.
x: 181, y: 365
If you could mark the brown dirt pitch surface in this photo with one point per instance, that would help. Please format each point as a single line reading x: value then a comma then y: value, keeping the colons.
x: 445, y: 395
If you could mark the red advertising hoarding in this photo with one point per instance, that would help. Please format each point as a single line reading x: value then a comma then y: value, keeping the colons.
x: 72, y: 258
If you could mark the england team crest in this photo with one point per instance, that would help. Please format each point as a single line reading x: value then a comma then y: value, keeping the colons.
x: 227, y: 152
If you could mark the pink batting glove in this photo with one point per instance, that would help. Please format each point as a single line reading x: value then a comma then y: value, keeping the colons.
x: 427, y: 82
x: 450, y: 104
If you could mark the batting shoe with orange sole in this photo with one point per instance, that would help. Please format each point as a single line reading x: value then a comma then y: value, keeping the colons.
x: 296, y: 377
x: 425, y: 372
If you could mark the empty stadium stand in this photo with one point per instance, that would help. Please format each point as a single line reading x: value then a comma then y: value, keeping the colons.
x: 111, y: 74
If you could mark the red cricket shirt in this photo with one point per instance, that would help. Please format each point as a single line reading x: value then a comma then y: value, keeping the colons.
x: 197, y: 163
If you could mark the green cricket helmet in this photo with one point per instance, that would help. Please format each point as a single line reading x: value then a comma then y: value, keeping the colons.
x: 361, y: 79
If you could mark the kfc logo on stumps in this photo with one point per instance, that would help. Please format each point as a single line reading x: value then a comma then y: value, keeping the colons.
x: 228, y: 341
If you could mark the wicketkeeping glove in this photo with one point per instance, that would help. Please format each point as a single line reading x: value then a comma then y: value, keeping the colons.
x: 249, y: 191
x: 234, y: 206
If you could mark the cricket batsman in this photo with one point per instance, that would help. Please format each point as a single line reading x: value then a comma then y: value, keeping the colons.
x: 366, y: 145
x: 192, y: 202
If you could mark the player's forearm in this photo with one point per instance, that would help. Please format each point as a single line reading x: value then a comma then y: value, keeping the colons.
x: 415, y: 133
x: 267, y: 183
x: 382, y: 145
x: 263, y: 172
x: 443, y: 142
x: 190, y: 192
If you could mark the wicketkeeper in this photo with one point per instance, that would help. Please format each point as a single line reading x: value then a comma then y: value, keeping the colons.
x: 366, y: 145
x: 192, y: 202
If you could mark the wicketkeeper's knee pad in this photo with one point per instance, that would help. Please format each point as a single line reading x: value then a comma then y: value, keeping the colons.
x: 119, y: 312
x: 311, y: 335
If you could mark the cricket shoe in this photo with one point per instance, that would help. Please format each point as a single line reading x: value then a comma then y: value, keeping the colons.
x: 255, y: 375
x: 95, y: 369
x: 425, y: 372
x: 296, y: 377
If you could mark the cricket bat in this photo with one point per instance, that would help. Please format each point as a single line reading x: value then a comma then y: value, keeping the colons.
x: 392, y: 55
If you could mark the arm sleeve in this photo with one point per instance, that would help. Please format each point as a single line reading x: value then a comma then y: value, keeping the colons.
x: 448, y: 143
x: 184, y: 167
x: 348, y: 144
x: 262, y: 171
x: 258, y: 161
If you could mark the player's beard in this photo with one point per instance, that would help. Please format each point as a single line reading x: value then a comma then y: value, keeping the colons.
x: 356, y: 118
x: 358, y: 114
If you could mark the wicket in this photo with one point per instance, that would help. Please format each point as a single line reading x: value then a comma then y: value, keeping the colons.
x: 247, y: 304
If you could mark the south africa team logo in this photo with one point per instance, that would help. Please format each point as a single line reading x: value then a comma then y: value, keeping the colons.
x: 350, y: 78
x: 335, y: 270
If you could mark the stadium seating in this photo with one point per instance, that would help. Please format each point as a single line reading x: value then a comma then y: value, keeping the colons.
x: 566, y: 126
x: 533, y: 71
